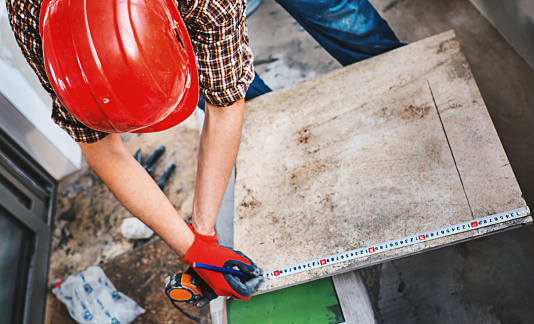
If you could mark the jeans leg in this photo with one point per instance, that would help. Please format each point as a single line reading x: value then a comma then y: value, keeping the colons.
x: 256, y: 88
x: 201, y: 103
x: 350, y: 30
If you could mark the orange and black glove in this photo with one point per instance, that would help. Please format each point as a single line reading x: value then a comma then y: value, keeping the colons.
x: 205, y: 249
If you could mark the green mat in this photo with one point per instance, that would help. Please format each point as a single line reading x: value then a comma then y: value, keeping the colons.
x: 312, y: 302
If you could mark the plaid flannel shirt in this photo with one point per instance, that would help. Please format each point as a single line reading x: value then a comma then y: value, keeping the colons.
x: 218, y: 33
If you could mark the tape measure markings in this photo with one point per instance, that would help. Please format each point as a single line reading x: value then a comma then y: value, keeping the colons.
x: 398, y: 243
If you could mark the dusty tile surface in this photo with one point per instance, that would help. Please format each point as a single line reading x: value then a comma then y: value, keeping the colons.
x: 362, y: 155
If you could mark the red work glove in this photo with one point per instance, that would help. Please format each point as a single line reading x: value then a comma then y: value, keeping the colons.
x: 205, y: 249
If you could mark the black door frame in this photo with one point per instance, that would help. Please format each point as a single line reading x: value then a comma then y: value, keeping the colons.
x: 22, y: 177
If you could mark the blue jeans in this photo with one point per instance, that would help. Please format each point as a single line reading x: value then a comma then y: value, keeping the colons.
x: 256, y: 88
x: 350, y: 30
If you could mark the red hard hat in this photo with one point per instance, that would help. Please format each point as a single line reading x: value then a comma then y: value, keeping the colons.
x: 120, y: 66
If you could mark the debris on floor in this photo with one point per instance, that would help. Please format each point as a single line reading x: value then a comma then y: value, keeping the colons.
x: 92, y: 298
x: 134, y: 229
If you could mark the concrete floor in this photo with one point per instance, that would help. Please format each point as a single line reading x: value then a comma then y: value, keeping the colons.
x: 483, y: 281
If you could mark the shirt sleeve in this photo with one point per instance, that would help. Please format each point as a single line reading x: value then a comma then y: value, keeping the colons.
x: 24, y: 20
x: 219, y: 36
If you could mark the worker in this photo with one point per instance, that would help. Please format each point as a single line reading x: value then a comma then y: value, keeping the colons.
x: 218, y: 33
x: 219, y: 37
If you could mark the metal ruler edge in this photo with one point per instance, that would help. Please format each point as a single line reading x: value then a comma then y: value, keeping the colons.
x: 398, y: 243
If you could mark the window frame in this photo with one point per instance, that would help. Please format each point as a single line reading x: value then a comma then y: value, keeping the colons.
x: 29, y: 178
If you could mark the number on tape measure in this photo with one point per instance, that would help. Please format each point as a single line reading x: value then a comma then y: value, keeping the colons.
x: 394, y: 244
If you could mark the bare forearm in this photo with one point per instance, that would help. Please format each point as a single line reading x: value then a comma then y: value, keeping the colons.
x: 219, y: 144
x: 136, y: 191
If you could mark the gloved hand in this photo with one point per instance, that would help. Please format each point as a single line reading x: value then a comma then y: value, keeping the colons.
x: 205, y: 249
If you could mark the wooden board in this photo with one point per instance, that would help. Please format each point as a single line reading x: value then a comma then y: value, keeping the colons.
x: 392, y: 146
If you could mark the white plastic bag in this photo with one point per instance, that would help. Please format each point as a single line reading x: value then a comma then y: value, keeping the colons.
x: 92, y: 298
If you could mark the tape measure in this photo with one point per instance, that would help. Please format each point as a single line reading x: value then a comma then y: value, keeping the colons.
x: 397, y: 243
x: 190, y: 289
x: 182, y: 287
